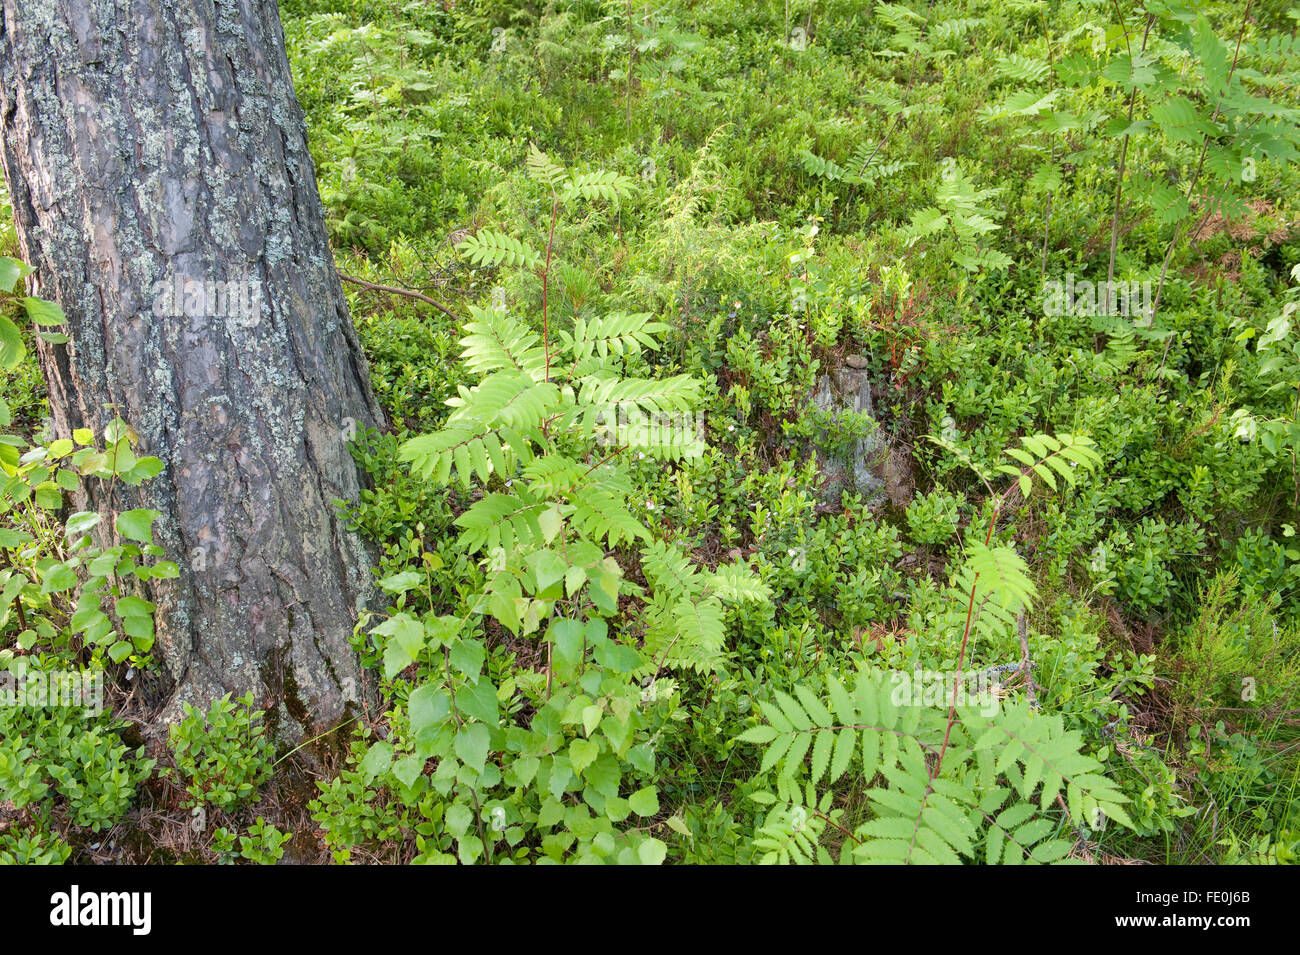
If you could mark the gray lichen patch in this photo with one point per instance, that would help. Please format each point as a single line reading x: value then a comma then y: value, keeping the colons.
x: 182, y: 154
x: 843, y: 392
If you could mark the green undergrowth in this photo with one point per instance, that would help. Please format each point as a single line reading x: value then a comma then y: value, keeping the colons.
x: 1068, y: 629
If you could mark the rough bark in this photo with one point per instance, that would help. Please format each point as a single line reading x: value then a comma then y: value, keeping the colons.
x: 155, y: 146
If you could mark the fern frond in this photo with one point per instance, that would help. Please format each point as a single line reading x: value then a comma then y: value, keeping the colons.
x: 495, y: 342
x: 554, y: 475
x: 490, y: 249
x: 1048, y: 457
x: 501, y: 520
x: 505, y: 399
x: 994, y: 798
x: 493, y: 426
x: 925, y: 222
x: 1051, y: 761
x: 686, y: 634
x: 1001, y: 576
x: 982, y: 260
x: 993, y: 619
x: 1023, y: 69
x: 601, y: 514
x: 870, y: 716
x: 596, y: 185
x: 541, y: 168
x: 678, y: 393
x: 616, y: 334
x: 1046, y: 178
x: 737, y: 583
x: 791, y: 832
x: 1027, y: 102
x: 948, y: 30
x: 1020, y: 834
x: 668, y: 570
x: 915, y: 823
x: 821, y: 168
x: 1121, y: 349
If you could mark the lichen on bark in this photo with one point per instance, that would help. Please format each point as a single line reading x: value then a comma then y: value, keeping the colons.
x: 146, y: 142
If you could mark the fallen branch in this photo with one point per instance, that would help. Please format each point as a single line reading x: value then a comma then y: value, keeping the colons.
x: 394, y: 290
x: 1026, y: 666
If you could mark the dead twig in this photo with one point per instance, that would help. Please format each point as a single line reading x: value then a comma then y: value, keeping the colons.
x: 1026, y: 665
x: 394, y: 290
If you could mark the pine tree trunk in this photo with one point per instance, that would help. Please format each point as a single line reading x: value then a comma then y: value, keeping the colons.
x: 157, y: 162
